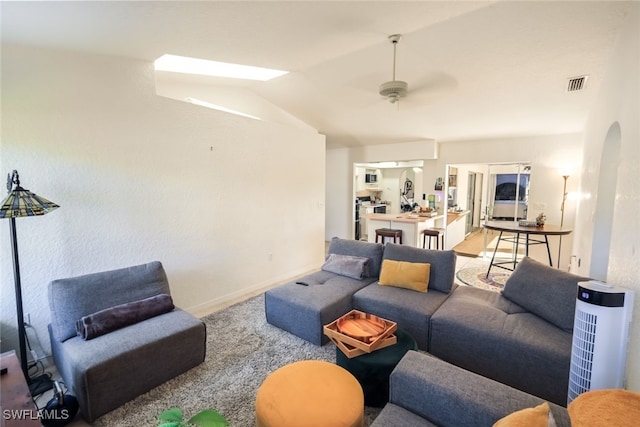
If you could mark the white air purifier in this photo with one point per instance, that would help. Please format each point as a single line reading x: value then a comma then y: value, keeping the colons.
x: 600, y: 337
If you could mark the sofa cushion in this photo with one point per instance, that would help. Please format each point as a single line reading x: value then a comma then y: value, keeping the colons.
x: 546, y: 291
x: 304, y: 310
x: 373, y: 251
x: 411, y: 310
x: 443, y: 263
x: 347, y: 265
x: 106, y: 372
x: 486, y: 333
x: 402, y: 274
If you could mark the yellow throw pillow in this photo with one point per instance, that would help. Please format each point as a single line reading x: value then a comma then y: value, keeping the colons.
x: 408, y: 275
x: 530, y: 417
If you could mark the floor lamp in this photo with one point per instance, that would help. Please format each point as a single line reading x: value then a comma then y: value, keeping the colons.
x: 564, y: 199
x: 21, y: 203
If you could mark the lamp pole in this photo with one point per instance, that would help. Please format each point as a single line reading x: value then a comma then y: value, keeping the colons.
x: 22, y: 203
x: 564, y: 199
x: 18, y: 289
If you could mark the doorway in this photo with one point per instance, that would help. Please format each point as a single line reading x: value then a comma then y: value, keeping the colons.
x: 475, y: 187
x: 380, y: 187
x: 474, y: 201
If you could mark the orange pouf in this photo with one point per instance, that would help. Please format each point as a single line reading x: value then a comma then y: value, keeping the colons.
x: 605, y: 408
x: 310, y: 393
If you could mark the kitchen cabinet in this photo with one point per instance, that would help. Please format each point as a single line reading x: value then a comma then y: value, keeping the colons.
x: 456, y: 228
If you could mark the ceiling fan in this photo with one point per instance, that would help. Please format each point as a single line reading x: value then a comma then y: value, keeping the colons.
x: 395, y: 89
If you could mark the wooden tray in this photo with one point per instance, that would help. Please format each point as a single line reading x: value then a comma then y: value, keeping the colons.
x: 364, y: 328
x: 352, y: 346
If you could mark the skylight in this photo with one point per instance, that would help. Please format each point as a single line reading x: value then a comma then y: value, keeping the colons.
x: 183, y: 64
x: 202, y: 103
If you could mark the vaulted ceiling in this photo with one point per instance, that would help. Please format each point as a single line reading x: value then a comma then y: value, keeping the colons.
x: 477, y: 69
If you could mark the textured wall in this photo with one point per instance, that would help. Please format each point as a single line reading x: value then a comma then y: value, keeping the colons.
x: 618, y: 104
x: 228, y: 204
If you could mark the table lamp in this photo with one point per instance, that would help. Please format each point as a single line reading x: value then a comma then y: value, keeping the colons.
x: 21, y: 203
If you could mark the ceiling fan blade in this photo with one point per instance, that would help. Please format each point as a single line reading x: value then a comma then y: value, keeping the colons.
x: 434, y: 83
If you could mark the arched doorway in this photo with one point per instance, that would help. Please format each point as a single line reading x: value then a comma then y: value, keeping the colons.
x: 605, y: 204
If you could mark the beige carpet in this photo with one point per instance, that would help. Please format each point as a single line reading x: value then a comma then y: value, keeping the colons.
x: 242, y: 349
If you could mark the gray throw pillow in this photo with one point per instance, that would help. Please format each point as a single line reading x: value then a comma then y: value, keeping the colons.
x: 120, y: 316
x: 545, y: 291
x: 346, y: 265
x: 372, y: 251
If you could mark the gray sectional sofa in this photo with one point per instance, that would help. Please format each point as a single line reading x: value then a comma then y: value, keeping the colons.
x: 425, y: 391
x: 520, y: 337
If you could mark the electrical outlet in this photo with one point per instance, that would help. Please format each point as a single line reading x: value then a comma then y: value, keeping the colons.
x: 270, y: 256
x: 27, y: 318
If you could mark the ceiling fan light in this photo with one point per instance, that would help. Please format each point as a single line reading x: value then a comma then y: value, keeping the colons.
x: 394, y: 90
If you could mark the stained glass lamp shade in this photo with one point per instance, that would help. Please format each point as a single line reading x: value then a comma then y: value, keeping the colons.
x: 21, y: 203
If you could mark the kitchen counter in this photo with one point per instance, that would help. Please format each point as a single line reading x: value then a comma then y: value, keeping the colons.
x: 410, y: 224
x: 374, y: 205
x: 456, y: 216
x: 405, y: 217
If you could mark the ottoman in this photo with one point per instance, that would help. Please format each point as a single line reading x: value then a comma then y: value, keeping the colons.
x: 372, y: 370
x: 310, y: 393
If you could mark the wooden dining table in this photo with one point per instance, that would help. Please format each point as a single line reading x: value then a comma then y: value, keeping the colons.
x: 514, y: 230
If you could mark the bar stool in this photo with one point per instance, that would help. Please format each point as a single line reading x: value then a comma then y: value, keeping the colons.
x: 389, y: 232
x: 438, y: 233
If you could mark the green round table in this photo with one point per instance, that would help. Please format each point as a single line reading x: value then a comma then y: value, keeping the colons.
x: 372, y: 370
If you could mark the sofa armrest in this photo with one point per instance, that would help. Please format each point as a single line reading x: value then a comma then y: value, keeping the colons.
x: 450, y: 396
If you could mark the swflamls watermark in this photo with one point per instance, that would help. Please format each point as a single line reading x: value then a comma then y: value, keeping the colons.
x: 29, y: 414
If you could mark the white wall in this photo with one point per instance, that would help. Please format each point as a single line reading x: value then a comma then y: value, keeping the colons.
x: 228, y: 204
x: 340, y: 207
x: 617, y: 105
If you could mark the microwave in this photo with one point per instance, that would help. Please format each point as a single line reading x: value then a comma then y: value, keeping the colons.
x: 370, y: 178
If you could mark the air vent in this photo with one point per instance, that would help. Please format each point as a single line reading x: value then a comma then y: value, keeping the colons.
x: 576, y: 83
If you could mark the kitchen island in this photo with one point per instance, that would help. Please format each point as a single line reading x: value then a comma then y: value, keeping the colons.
x: 410, y: 224
x: 456, y: 228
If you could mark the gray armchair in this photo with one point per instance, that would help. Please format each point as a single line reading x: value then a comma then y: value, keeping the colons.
x: 111, y: 369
